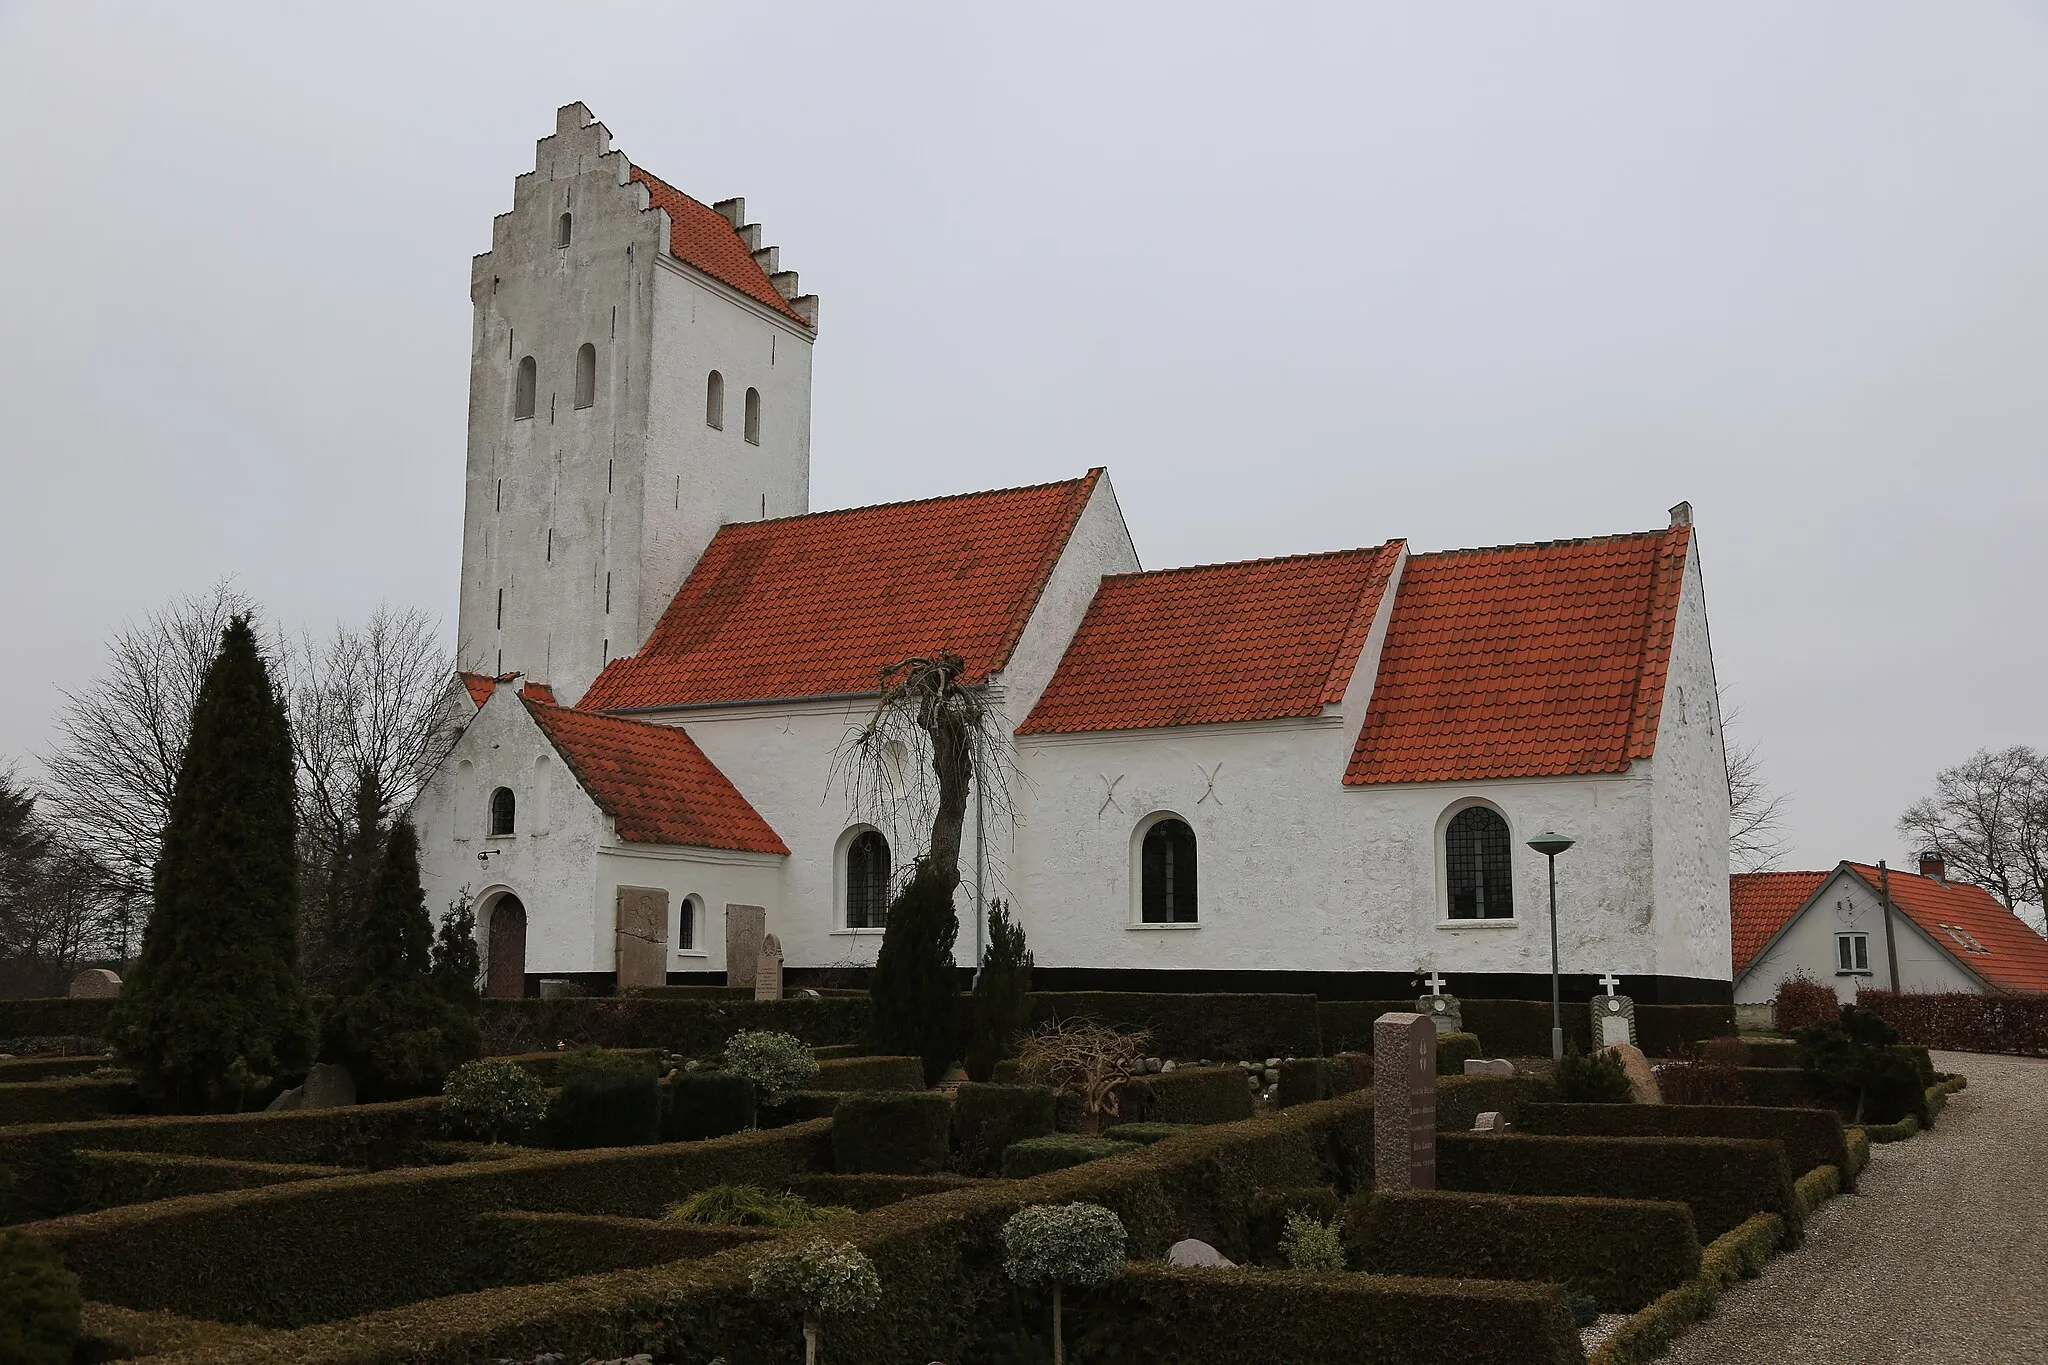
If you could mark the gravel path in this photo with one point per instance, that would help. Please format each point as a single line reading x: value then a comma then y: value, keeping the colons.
x: 1941, y: 1255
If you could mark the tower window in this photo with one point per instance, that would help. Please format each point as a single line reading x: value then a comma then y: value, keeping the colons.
x: 502, y: 810
x: 714, y: 401
x: 1477, y: 867
x: 753, y: 429
x: 867, y: 881
x: 686, y: 923
x: 562, y: 230
x: 1166, y: 871
x: 586, y: 375
x: 524, y: 387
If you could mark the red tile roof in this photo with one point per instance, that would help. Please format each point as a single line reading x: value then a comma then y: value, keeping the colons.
x: 817, y: 605
x: 653, y: 780
x: 1524, y: 661
x: 1992, y: 941
x: 1760, y: 904
x: 700, y: 236
x: 1222, y: 642
x: 481, y: 685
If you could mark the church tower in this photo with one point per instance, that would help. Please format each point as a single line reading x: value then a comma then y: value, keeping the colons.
x: 640, y: 374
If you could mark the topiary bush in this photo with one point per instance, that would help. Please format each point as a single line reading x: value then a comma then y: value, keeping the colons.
x: 1036, y: 1156
x: 1147, y: 1133
x: 1453, y: 1050
x: 39, y: 1304
x: 988, y: 1118
x: 1061, y: 1245
x: 1002, y: 988
x: 750, y: 1206
x: 778, y: 1063
x: 892, y: 1132
x: 607, y: 1100
x: 1598, y: 1079
x: 493, y: 1102
x: 706, y: 1104
x: 820, y: 1279
x: 915, y: 981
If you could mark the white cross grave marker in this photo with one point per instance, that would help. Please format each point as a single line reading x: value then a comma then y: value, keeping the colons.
x: 1434, y: 981
x: 1610, y: 981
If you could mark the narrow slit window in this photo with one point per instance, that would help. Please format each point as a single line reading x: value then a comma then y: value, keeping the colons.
x: 714, y: 401
x: 564, y: 229
x: 753, y: 430
x: 586, y: 375
x: 524, y: 387
x: 503, y: 809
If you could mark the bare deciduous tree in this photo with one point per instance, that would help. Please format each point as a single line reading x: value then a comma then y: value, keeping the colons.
x: 55, y: 902
x: 1756, y: 814
x: 1988, y: 820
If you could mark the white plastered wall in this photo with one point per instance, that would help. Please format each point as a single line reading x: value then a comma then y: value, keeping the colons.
x: 1689, y: 800
x: 1847, y: 904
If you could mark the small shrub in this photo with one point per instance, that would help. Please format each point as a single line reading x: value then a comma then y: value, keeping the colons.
x: 1453, y: 1050
x: 1147, y: 1133
x: 1311, y: 1244
x: 1036, y: 1156
x: 891, y: 1132
x: 39, y: 1304
x: 706, y: 1104
x: 821, y: 1279
x: 1059, y: 1245
x: 607, y: 1100
x: 1597, y: 1079
x: 1857, y: 1063
x: 750, y: 1206
x: 776, y: 1062
x: 492, y: 1102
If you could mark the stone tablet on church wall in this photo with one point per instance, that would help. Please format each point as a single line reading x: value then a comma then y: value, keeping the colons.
x: 1404, y: 1102
x: 768, y: 974
x: 642, y: 937
x: 745, y: 926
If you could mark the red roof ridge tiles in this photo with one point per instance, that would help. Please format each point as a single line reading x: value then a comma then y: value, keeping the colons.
x: 700, y: 236
x: 653, y: 780
x: 1540, y: 544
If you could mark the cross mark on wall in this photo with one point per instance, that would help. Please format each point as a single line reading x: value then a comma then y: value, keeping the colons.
x: 1109, y: 793
x: 1209, y: 784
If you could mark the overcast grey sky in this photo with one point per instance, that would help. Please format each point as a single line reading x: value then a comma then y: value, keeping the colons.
x: 1302, y: 279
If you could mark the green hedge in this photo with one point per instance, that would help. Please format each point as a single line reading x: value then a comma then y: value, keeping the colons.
x: 546, y: 1067
x: 1055, y: 1152
x: 1738, y: 1254
x: 864, y: 1192
x: 110, y: 1332
x: 513, y: 1247
x: 371, y: 1136
x: 1620, y: 1252
x: 1189, y: 1094
x: 1723, y: 1180
x: 1221, y: 1025
x: 49, y: 1068
x: 316, y: 1250
x: 1521, y: 1028
x: 706, y: 1104
x: 692, y: 1027
x: 1815, y: 1188
x: 109, y: 1179
x: 869, y: 1073
x: 1160, y: 1315
x: 607, y: 1099
x: 1906, y: 1127
x: 988, y: 1118
x: 1780, y: 1053
x: 69, y: 1100
x: 801, y: 1107
x: 1673, y: 1030
x: 1779, y: 1088
x: 56, y: 1017
x: 892, y: 1133
x: 1812, y: 1137
x: 1453, y: 1050
x: 1346, y: 1025
x: 1146, y: 1132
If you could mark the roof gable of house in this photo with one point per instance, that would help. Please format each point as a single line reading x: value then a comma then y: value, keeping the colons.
x: 1970, y: 925
x: 1524, y: 661
x: 1762, y: 903
x: 817, y: 605
x: 1255, y: 640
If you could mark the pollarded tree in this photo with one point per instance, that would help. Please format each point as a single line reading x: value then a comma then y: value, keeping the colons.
x: 213, y: 1011
x: 819, y: 1280
x: 1060, y: 1245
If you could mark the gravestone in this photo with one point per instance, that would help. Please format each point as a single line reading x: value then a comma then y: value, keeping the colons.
x: 1642, y: 1081
x: 328, y: 1086
x: 1492, y: 1121
x: 1193, y: 1252
x: 1444, y: 1010
x: 745, y: 925
x: 1404, y: 1102
x: 768, y: 969
x: 95, y: 983
x: 1482, y: 1066
x: 641, y: 937
x: 559, y: 988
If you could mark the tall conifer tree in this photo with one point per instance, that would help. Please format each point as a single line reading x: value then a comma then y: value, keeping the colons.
x: 214, y: 1011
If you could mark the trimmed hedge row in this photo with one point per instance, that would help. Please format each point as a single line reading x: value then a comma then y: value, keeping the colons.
x: 1453, y: 1050
x: 49, y: 1068
x: 801, y: 1107
x: 1722, y: 1180
x: 869, y: 1073
x: 706, y: 1104
x: 1772, y: 1052
x: 1621, y: 1252
x: 887, y: 1132
x: 1815, y: 1188
x: 1963, y: 1023
x: 1188, y: 1094
x: 110, y: 1332
x: 1738, y: 1254
x: 692, y: 1027
x: 55, y: 1017
x: 514, y: 1247
x: 1162, y: 1315
x: 1226, y: 1026
x: 1782, y: 1088
x: 1055, y: 1152
x: 109, y: 1179
x: 1146, y: 1132
x: 988, y: 1118
x: 71, y: 1099
x: 1812, y: 1137
x: 294, y: 1254
x: 864, y: 1192
x: 546, y: 1067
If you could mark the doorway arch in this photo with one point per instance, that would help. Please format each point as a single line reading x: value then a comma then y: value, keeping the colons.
x: 506, y: 973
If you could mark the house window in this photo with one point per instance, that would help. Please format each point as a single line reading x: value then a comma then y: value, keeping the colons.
x: 867, y: 881
x: 523, y: 388
x: 1166, y: 873
x: 714, y: 400
x: 1478, y: 869
x: 686, y: 924
x: 563, y: 226
x: 1852, y: 954
x: 753, y: 427
x: 586, y: 375
x: 502, y: 805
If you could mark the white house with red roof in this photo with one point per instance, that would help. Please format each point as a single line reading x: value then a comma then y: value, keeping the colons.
x: 1317, y: 772
x: 1831, y: 927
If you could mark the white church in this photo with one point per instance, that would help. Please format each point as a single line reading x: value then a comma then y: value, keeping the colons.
x: 1314, y: 773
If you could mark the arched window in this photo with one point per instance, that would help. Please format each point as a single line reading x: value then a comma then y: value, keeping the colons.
x: 714, y: 400
x: 586, y: 375
x: 753, y: 431
x: 562, y: 229
x: 687, y: 915
x: 1166, y: 871
x: 1478, y: 869
x: 867, y: 881
x: 523, y: 388
x: 502, y: 806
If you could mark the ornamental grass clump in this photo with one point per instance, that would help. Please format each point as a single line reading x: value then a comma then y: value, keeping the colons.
x: 750, y: 1206
x: 821, y: 1280
x: 1059, y: 1245
x: 778, y: 1063
x: 493, y: 1101
x: 1308, y: 1243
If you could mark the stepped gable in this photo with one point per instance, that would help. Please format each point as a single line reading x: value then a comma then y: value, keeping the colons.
x: 1254, y: 640
x: 1524, y: 661
x: 700, y: 236
x: 817, y: 605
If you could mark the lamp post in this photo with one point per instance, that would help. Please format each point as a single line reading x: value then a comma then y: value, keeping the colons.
x: 1550, y: 845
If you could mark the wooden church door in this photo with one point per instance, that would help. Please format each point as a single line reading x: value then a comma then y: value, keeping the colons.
x: 507, y: 976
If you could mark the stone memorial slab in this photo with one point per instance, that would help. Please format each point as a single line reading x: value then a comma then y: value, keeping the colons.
x: 1492, y: 1121
x: 1484, y: 1066
x: 1642, y: 1081
x: 328, y: 1086
x: 768, y: 969
x: 745, y: 926
x: 642, y: 937
x: 1192, y: 1252
x: 1615, y: 1017
x: 1404, y: 1102
x: 95, y: 983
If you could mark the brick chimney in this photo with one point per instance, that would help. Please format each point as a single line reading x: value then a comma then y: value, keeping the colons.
x: 1931, y: 865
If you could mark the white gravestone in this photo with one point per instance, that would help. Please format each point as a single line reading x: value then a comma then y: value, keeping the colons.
x: 1404, y: 1102
x: 1443, y: 1010
x: 768, y: 972
x: 1614, y: 1015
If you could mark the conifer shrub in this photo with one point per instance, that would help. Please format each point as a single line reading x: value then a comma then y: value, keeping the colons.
x: 1598, y: 1079
x: 891, y: 1132
x: 607, y: 1100
x: 1002, y: 1005
x: 706, y: 1104
x: 1856, y: 1063
x: 988, y: 1118
x: 213, y: 1014
x: 458, y: 968
x: 916, y: 981
x: 39, y: 1304
x: 493, y: 1101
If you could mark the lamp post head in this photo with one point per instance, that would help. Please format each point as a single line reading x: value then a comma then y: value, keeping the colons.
x: 1550, y: 845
